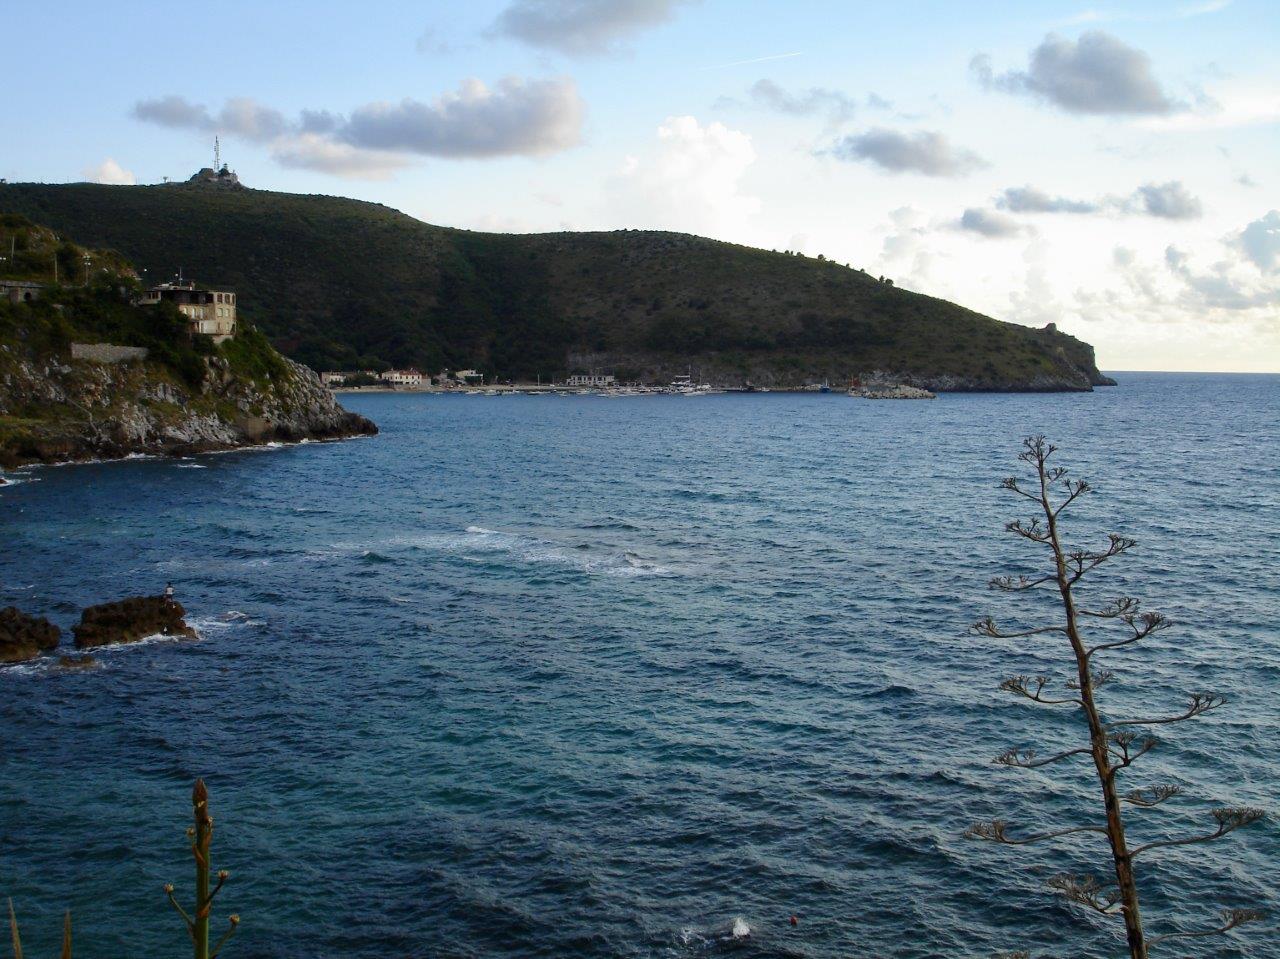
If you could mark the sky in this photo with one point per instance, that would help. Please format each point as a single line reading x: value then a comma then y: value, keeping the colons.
x: 1111, y: 167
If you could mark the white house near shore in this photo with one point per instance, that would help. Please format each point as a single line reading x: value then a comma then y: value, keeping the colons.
x: 410, y: 378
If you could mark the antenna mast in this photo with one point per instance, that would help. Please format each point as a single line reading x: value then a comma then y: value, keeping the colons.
x: 217, y: 155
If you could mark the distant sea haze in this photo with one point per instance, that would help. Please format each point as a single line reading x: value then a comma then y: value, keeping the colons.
x: 582, y: 676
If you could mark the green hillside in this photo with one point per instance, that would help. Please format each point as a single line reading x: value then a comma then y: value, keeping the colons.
x: 339, y: 283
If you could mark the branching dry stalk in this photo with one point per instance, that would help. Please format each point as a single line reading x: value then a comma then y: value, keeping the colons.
x: 1113, y: 746
x: 201, y: 836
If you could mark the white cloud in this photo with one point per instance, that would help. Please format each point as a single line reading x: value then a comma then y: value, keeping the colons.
x: 514, y: 117
x: 1232, y: 284
x: 581, y: 27
x: 838, y: 107
x: 907, y: 250
x: 1096, y: 74
x: 1260, y: 242
x: 1028, y: 199
x: 924, y: 152
x: 1235, y: 103
x: 989, y: 223
x: 239, y: 116
x: 310, y: 151
x: 691, y: 181
x: 1169, y: 201
x: 109, y: 171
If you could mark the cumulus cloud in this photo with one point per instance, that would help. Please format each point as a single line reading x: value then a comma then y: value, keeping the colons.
x: 1235, y: 283
x: 240, y: 116
x: 989, y: 223
x: 1169, y: 201
x: 1097, y: 74
x: 691, y: 181
x: 581, y: 27
x: 522, y: 117
x: 1260, y: 242
x: 172, y: 111
x: 924, y: 152
x: 109, y: 171
x: 515, y: 117
x: 836, y: 105
x: 1222, y: 286
x: 908, y: 252
x: 310, y: 151
x: 1027, y: 199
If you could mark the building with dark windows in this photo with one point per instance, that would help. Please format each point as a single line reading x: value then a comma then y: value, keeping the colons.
x: 212, y: 312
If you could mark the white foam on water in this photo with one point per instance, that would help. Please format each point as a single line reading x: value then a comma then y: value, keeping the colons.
x: 231, y: 619
x: 740, y: 928
x: 191, y: 466
x: 479, y: 540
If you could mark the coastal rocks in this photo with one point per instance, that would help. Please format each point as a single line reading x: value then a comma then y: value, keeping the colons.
x: 93, y: 411
x: 898, y: 391
x: 24, y: 637
x: 129, y: 620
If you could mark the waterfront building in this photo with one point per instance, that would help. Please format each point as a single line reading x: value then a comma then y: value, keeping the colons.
x: 211, y: 312
x: 410, y: 378
x: 333, y: 379
x: 592, y: 379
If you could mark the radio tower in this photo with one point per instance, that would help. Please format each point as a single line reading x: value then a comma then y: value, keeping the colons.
x: 217, y: 155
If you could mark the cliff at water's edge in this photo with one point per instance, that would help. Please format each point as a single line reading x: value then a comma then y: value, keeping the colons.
x: 70, y: 410
x: 92, y: 372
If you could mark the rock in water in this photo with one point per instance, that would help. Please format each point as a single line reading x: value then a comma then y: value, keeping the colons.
x: 77, y: 662
x: 24, y: 637
x: 129, y: 620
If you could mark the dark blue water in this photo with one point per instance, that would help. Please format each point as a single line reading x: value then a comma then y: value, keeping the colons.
x: 542, y: 676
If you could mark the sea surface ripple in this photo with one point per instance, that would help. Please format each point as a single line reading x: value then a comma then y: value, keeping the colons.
x: 584, y: 676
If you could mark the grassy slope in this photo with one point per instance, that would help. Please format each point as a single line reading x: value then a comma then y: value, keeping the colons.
x: 340, y: 283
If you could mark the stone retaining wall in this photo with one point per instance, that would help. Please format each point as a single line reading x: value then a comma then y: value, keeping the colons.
x: 107, y: 352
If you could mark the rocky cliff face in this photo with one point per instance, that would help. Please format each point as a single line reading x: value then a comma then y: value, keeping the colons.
x: 55, y: 409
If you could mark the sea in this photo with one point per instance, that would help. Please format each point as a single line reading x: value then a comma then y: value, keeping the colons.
x: 592, y: 676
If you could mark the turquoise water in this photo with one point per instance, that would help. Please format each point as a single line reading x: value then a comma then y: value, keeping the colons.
x: 583, y: 676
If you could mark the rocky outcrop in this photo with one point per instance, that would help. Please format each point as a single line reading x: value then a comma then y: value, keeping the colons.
x: 897, y: 391
x: 24, y: 637
x: 129, y: 620
x: 73, y: 410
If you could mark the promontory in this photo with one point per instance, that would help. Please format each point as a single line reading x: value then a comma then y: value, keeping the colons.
x: 93, y: 366
x: 340, y: 284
